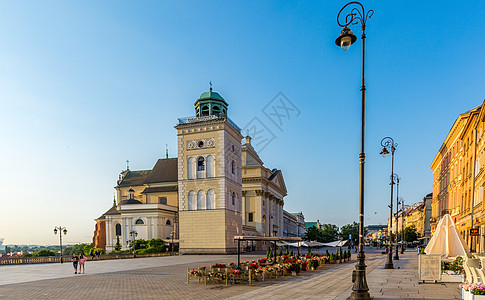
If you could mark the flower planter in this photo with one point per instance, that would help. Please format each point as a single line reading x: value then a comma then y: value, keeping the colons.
x: 466, y: 295
x: 445, y: 277
x: 476, y: 297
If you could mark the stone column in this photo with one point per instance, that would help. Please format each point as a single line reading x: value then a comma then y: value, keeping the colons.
x: 260, y: 222
x: 244, y: 207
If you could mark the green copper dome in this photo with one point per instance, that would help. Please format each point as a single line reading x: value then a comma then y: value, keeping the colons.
x: 210, y: 103
x: 211, y: 95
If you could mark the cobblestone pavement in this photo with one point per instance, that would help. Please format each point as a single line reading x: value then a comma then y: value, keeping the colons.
x: 166, y: 279
x: 402, y: 282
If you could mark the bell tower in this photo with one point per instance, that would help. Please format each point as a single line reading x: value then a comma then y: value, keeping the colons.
x: 209, y: 178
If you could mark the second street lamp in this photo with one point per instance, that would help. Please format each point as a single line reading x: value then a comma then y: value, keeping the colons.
x: 61, y: 231
x: 396, y: 255
x: 401, y: 200
x: 387, y: 144
x: 357, y: 15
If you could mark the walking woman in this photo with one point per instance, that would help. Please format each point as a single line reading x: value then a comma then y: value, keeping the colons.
x: 75, y: 261
x: 82, y: 260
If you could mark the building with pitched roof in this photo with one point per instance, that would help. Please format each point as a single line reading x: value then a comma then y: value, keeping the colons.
x: 215, y: 189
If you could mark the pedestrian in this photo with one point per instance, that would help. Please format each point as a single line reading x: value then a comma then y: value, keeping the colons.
x: 82, y: 260
x: 75, y: 261
x: 91, y: 253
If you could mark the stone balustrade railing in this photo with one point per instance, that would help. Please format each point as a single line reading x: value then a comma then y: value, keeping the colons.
x: 56, y: 259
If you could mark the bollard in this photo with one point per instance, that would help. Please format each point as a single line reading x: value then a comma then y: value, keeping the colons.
x: 205, y: 276
x: 250, y: 279
x: 188, y: 275
x: 226, y: 277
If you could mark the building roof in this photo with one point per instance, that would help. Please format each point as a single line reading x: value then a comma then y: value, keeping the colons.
x: 134, y: 178
x: 210, y: 95
x: 165, y: 170
x: 160, y: 189
x: 130, y: 201
x: 111, y: 211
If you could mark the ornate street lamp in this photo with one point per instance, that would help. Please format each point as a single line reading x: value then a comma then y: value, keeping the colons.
x: 171, y: 235
x: 61, y: 231
x: 387, y: 144
x: 357, y: 15
x: 396, y: 179
x: 401, y: 200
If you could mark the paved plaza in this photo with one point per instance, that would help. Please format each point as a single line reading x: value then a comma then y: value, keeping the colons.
x: 165, y: 278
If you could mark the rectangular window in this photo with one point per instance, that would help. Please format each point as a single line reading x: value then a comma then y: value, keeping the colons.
x: 162, y: 200
x: 250, y: 217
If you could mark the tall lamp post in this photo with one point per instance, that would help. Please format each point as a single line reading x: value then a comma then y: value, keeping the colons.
x: 401, y: 200
x: 171, y: 235
x: 61, y: 231
x: 396, y: 180
x: 357, y: 15
x: 133, y: 234
x: 387, y: 144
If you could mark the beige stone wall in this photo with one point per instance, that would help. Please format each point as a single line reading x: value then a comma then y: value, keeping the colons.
x: 209, y: 231
x: 172, y: 197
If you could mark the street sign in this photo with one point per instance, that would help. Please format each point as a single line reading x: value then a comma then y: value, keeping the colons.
x: 474, y: 232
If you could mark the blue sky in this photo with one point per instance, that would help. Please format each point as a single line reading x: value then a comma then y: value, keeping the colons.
x: 86, y: 85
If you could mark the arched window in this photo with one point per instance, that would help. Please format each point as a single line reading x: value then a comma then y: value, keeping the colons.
x: 191, y: 200
x: 162, y: 200
x: 210, y: 166
x: 139, y: 222
x: 216, y: 111
x: 205, y: 110
x: 200, y: 200
x: 210, y: 199
x: 118, y: 229
x: 200, y: 167
x: 200, y: 164
x: 190, y: 168
x: 168, y: 222
x: 233, y: 167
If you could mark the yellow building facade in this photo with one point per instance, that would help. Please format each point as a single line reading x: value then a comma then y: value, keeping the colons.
x: 458, y: 178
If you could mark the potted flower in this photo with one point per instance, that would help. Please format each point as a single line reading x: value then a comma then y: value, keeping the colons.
x: 313, y: 264
x: 303, y: 264
x: 195, y: 273
x: 477, y: 291
x: 332, y: 258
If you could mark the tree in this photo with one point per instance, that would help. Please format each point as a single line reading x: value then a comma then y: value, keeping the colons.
x: 313, y: 233
x: 351, y: 229
x: 325, y: 235
x: 118, y: 245
x: 410, y: 233
x: 329, y: 233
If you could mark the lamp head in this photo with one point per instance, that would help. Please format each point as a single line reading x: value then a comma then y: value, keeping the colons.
x: 65, y: 231
x: 345, y: 39
x: 384, y: 152
x: 55, y: 230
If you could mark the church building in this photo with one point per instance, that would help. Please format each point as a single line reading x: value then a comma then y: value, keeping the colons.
x: 216, y: 188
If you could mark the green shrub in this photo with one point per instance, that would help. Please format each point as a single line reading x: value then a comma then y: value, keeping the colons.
x: 268, y: 254
x: 44, y: 252
x: 291, y: 253
x: 326, y: 253
x: 280, y: 253
x: 332, y: 256
x: 310, y: 253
